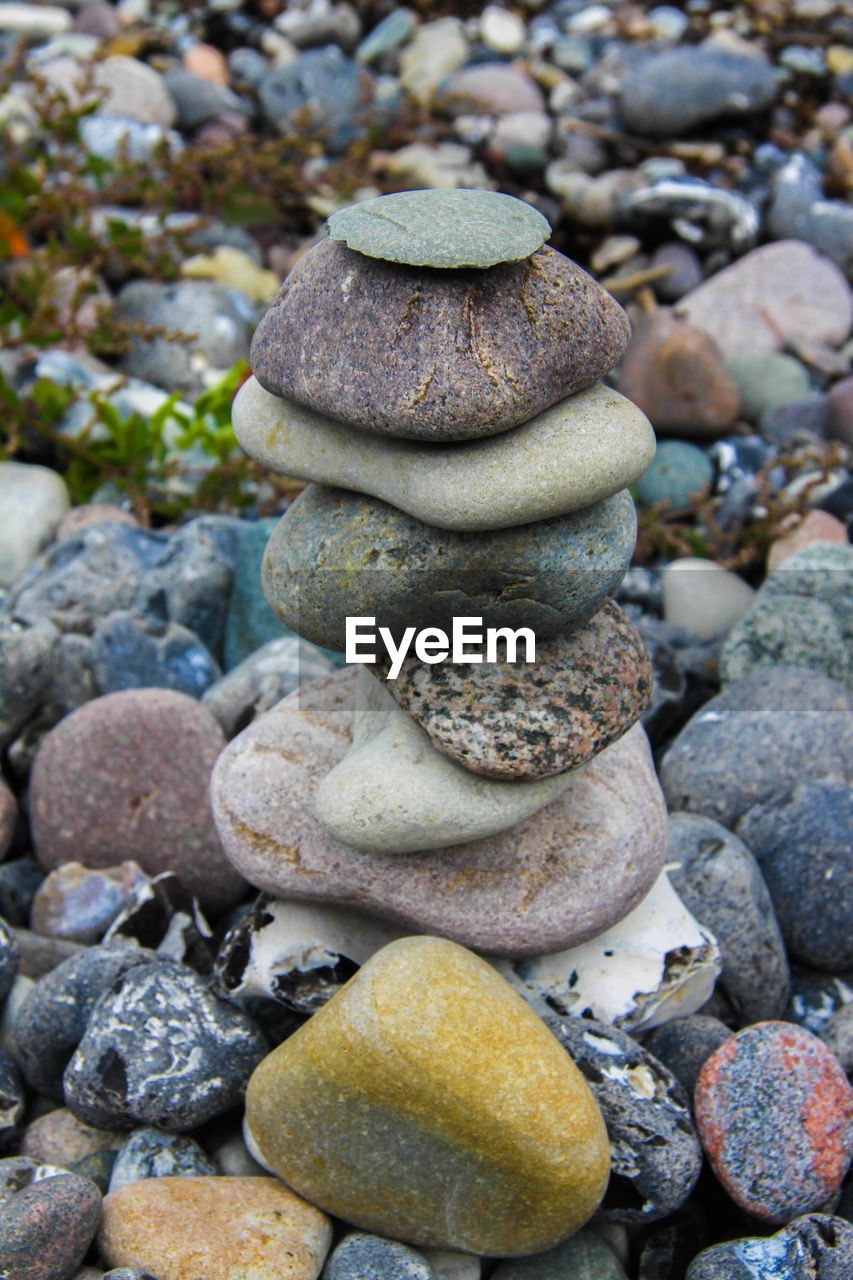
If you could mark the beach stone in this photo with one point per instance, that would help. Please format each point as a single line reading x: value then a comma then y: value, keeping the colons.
x: 489, y: 89
x: 511, y: 720
x: 78, y: 519
x: 160, y: 1049
x: 323, y: 90
x: 217, y: 320
x: 528, y: 891
x: 801, y: 616
x: 104, y: 789
x: 262, y: 680
x: 8, y: 820
x: 182, y: 1228
x: 803, y: 841
x: 655, y: 1153
x: 680, y: 473
x: 475, y: 353
x: 58, y: 1138
x: 685, y: 1044
x: 450, y: 1265
x: 394, y: 792
x: 685, y: 271
x: 249, y: 621
x: 800, y: 209
x: 436, y: 50
x: 766, y: 380
x: 387, y: 36
x: 9, y: 959
x: 837, y: 1034
x: 775, y: 1114
x: 337, y: 554
x: 813, y: 1247
x: 98, y: 1166
x: 839, y: 411
x: 775, y: 293
x: 800, y: 422
x: 703, y: 597
x: 360, y: 1256
x: 461, y: 228
x: 672, y: 92
x: 151, y: 1153
x: 12, y: 1099
x: 815, y: 526
x: 718, y: 879
x: 427, y: 1021
x: 34, y: 500
x: 137, y: 653
x: 52, y: 1018
x: 509, y: 479
x: 584, y: 1256
x: 674, y: 372
x: 199, y: 99
x: 18, y: 1172
x: 46, y: 1229
x: 234, y: 268
x: 761, y: 735
x: 27, y: 655
x: 78, y: 903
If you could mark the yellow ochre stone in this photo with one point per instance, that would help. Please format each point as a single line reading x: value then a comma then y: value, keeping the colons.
x: 428, y: 1102
x: 214, y: 1229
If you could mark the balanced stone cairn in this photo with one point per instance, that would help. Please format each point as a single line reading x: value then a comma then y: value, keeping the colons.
x: 431, y: 367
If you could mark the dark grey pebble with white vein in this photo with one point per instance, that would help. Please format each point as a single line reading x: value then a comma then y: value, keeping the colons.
x: 655, y: 1151
x: 160, y: 1049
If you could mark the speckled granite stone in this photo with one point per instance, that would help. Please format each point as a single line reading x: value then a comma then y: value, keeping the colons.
x: 475, y: 352
x: 533, y: 720
x: 336, y: 554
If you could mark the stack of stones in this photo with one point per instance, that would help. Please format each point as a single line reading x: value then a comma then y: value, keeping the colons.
x: 432, y: 368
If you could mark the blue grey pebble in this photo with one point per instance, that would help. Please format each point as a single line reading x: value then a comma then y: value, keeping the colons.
x: 360, y: 1256
x: 584, y: 1256
x: 394, y: 30
x: 670, y: 93
x: 799, y: 210
x: 839, y: 503
x: 19, y: 880
x: 721, y: 884
x: 151, y: 1153
x: 160, y: 1049
x: 679, y: 471
x: 107, y: 136
x: 799, y: 422
x: 52, y: 1019
x: 250, y: 622
x: 9, y: 959
x: 262, y: 680
x: 814, y: 1247
x: 218, y: 321
x: 803, y: 840
x: 685, y: 1044
x: 11, y: 1100
x: 199, y: 99
x: 27, y: 651
x: 134, y: 653
x: 246, y: 66
x: 335, y: 91
x: 128, y: 1273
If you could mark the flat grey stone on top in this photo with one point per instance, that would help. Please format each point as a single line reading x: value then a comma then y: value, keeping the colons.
x: 436, y: 228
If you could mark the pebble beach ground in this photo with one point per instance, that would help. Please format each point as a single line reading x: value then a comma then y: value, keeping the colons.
x: 503, y: 972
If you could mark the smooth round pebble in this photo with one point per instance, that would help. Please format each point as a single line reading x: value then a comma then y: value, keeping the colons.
x: 126, y: 777
x: 33, y: 500
x: 680, y: 473
x: 77, y: 903
x: 360, y: 1256
x: 454, y: 228
x: 151, y: 1153
x: 765, y: 380
x: 775, y: 1114
x: 215, y: 1228
x: 803, y: 841
x: 703, y: 597
x: 46, y: 1229
x: 59, y: 1138
x: 815, y: 526
x: 584, y: 1256
x: 672, y: 92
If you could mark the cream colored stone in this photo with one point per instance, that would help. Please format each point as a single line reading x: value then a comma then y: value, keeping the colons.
x: 214, y: 1229
x: 704, y: 597
x: 428, y: 1102
x: 435, y: 52
x: 394, y: 792
x: 234, y: 268
x: 574, y: 454
x: 58, y: 1137
x: 815, y: 526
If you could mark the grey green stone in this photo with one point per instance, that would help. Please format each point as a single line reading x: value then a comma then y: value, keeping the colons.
x: 765, y: 380
x: 679, y: 471
x: 584, y: 1256
x: 336, y: 554
x: 460, y: 227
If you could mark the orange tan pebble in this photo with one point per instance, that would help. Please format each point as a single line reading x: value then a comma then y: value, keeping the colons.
x: 205, y: 61
x: 428, y: 1102
x: 214, y: 1229
x: 816, y: 526
x: 774, y: 1112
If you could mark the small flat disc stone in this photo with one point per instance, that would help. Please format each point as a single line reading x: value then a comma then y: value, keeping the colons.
x: 460, y: 228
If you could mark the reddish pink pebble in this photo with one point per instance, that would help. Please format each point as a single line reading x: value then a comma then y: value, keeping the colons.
x: 774, y: 1111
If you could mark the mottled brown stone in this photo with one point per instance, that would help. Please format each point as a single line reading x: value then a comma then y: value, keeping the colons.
x: 475, y: 352
x: 675, y: 373
x: 427, y: 1101
x: 533, y: 720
